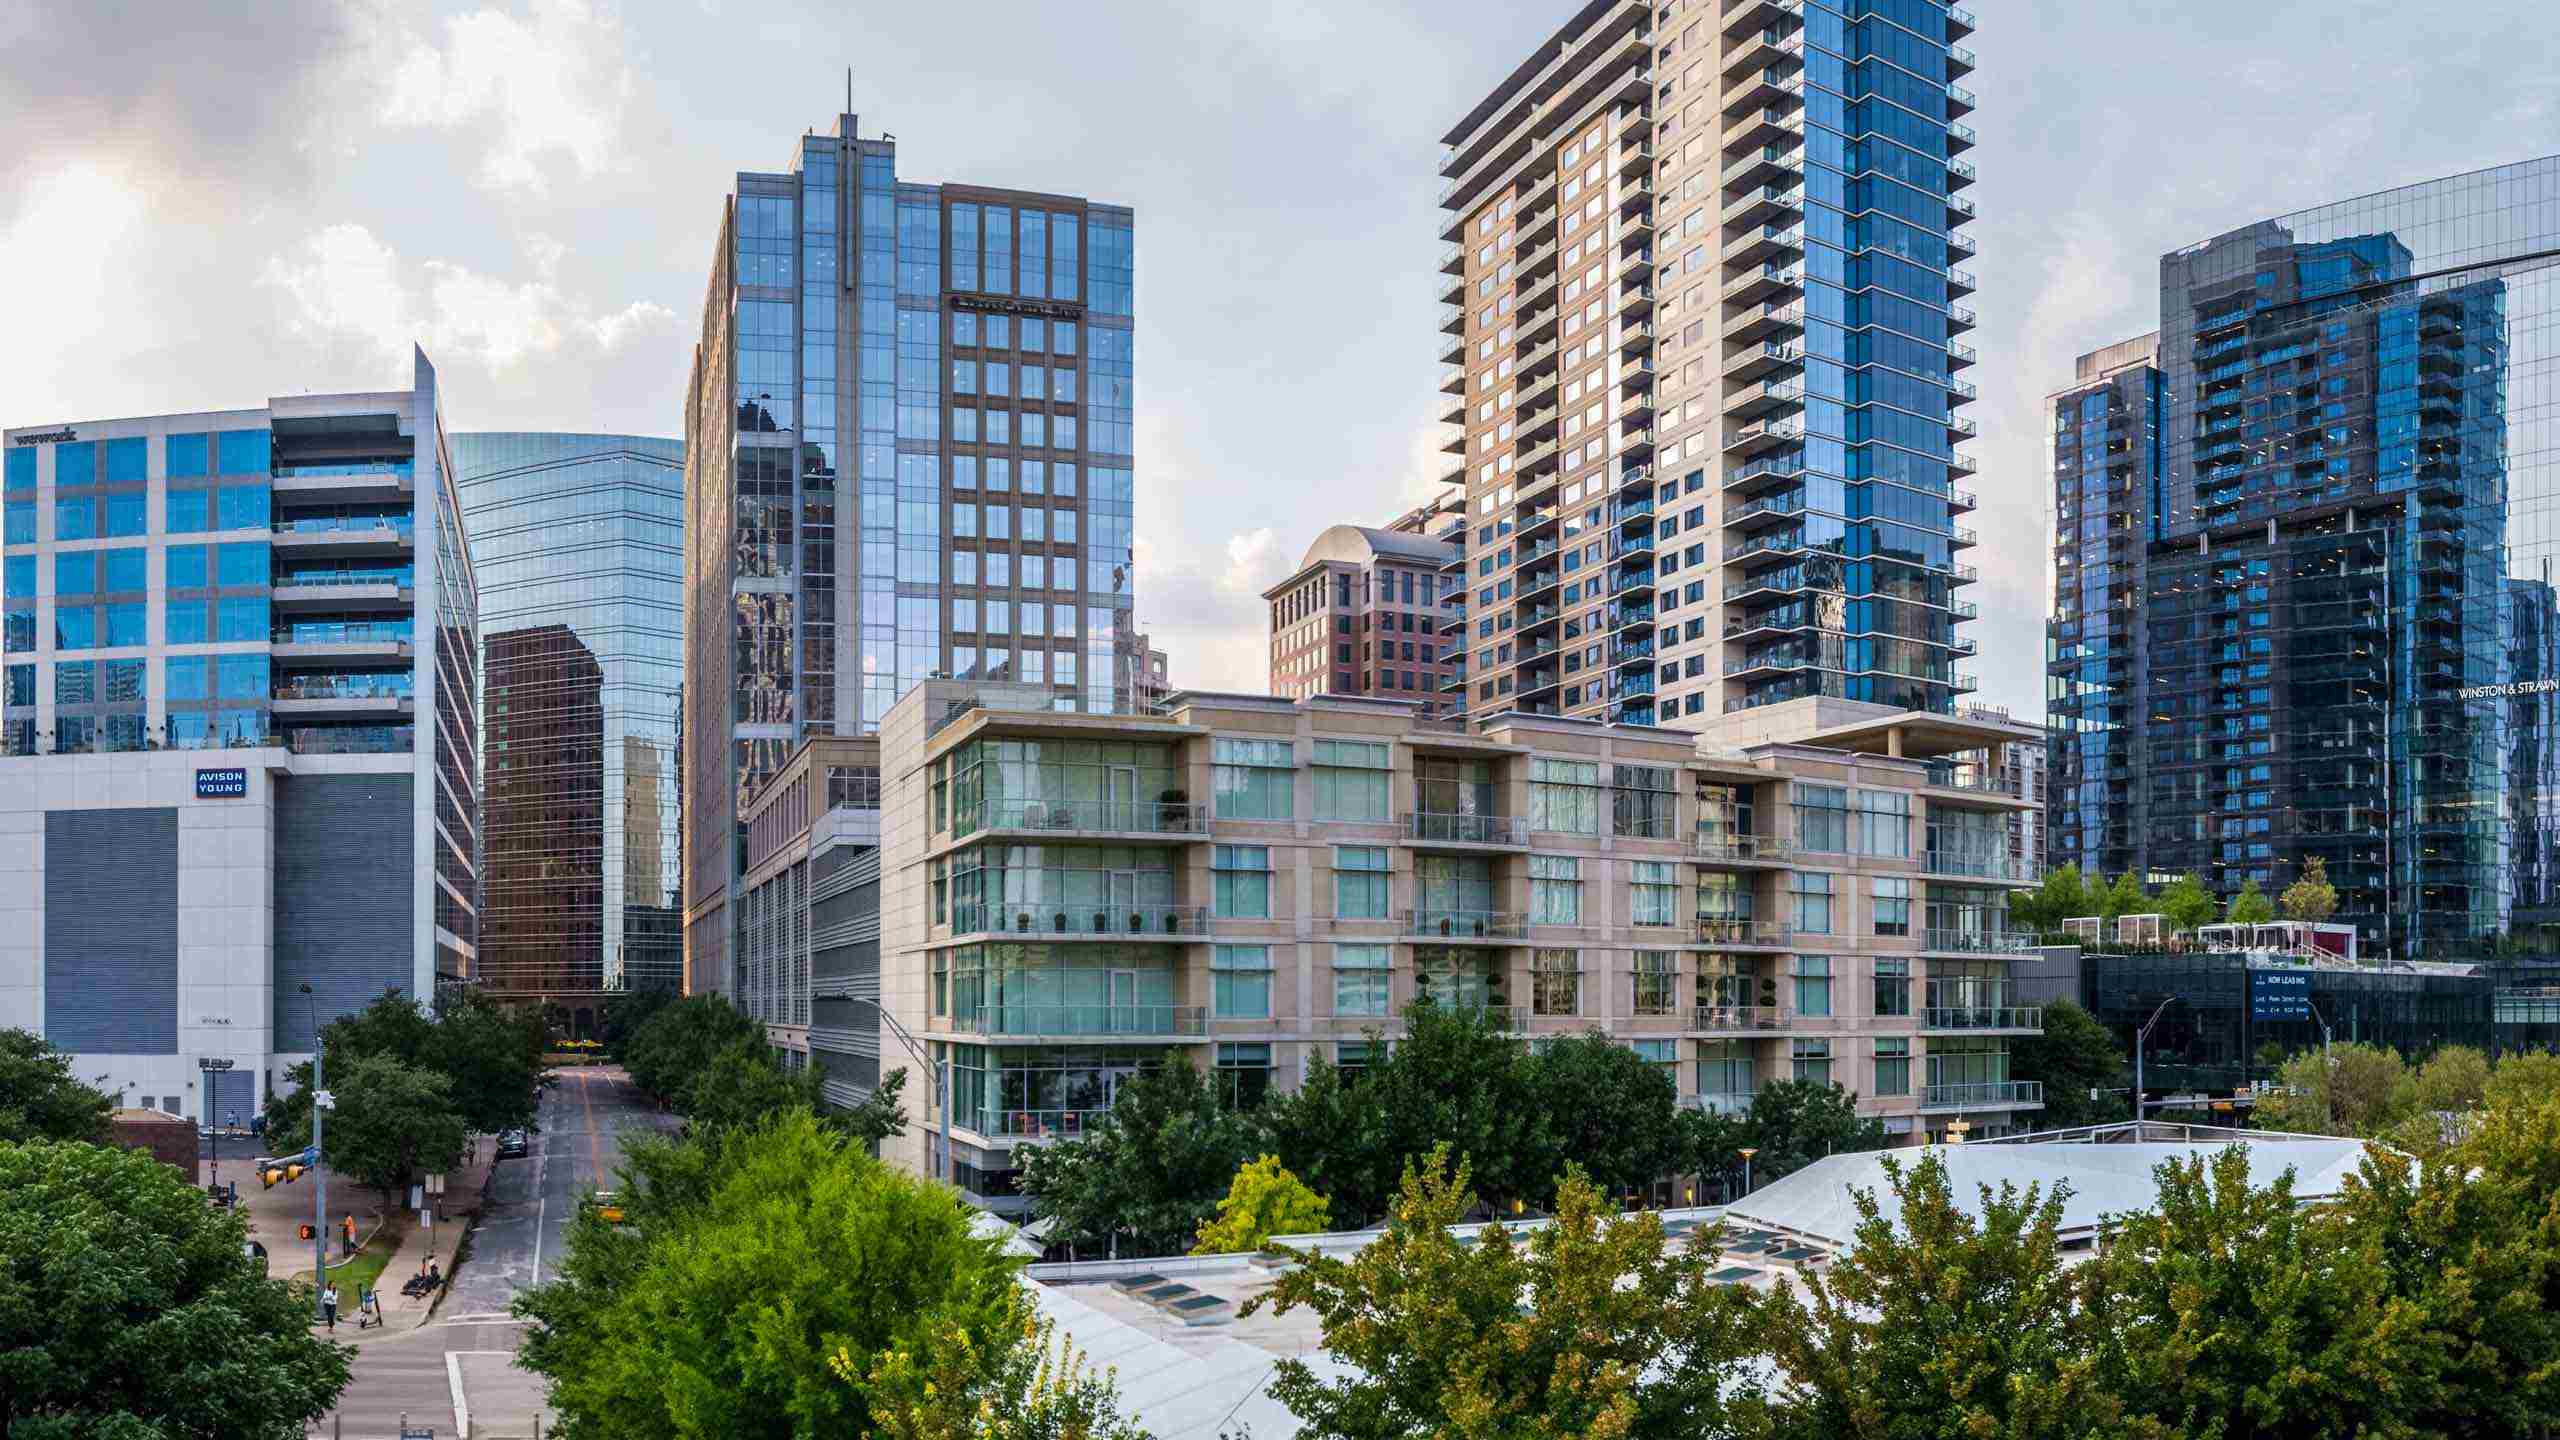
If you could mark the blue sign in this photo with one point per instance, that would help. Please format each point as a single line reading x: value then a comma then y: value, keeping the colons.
x: 2280, y: 995
x: 221, y: 784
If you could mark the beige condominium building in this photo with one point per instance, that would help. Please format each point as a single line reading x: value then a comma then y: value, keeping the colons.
x: 1817, y: 891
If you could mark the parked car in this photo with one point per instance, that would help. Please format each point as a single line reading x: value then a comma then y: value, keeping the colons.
x: 513, y: 1145
x: 607, y: 1205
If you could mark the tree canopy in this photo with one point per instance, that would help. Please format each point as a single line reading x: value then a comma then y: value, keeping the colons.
x: 1793, y: 1123
x: 489, y: 1056
x: 129, y: 1310
x: 1146, y: 1178
x: 2250, y: 906
x: 758, y: 1270
x: 393, y: 1123
x: 40, y: 1099
x: 2187, y: 904
x: 1264, y: 1201
x: 2073, y: 1055
x: 670, y: 1051
x: 2310, y: 897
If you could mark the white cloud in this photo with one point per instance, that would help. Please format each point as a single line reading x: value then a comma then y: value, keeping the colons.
x: 551, y: 83
x: 346, y: 284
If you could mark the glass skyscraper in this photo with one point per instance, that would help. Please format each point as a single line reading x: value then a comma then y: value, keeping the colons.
x: 1704, y: 299
x: 908, y: 454
x: 2327, y: 628
x: 578, y: 545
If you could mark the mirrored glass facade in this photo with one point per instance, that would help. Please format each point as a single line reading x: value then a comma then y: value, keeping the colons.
x: 578, y: 544
x: 2343, y: 641
x: 910, y: 442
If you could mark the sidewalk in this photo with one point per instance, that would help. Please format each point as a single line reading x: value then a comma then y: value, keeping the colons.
x: 466, y: 1187
x: 274, y: 1217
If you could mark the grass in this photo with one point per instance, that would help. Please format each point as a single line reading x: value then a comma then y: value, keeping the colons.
x: 363, y: 1270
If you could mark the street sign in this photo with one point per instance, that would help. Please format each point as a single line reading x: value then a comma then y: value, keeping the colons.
x: 206, y: 1064
x: 323, y: 1100
x: 2279, y: 994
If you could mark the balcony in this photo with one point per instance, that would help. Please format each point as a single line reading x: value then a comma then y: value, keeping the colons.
x: 2001, y: 868
x: 1978, y: 942
x: 1737, y: 1019
x: 1081, y: 1022
x: 1430, y: 828
x: 1099, y: 922
x: 1745, y: 850
x: 1464, y: 925
x: 1634, y: 336
x: 1453, y: 291
x: 1768, y: 205
x: 1774, y: 164
x: 1985, y: 1095
x: 1768, y: 358
x: 1767, y: 435
x: 343, y: 694
x: 1767, y: 244
x: 1757, y: 934
x: 1454, y: 351
x: 1089, y: 817
x: 342, y: 535
x: 2027, y: 1019
x: 1721, y: 1102
x: 1768, y: 125
x: 1453, y: 259
x: 1634, y: 158
x: 1764, y: 284
x: 1960, y: 101
x: 1776, y: 318
x: 1764, y: 474
x: 339, y: 643
x: 343, y: 590
x: 1750, y: 402
x: 1961, y: 138
x: 361, y: 482
x: 1634, y: 299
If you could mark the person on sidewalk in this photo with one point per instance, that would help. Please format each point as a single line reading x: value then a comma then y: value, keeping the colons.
x: 350, y: 1229
x: 329, y: 1307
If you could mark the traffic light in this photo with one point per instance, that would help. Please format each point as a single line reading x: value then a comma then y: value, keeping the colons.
x: 292, y: 1173
x: 303, y: 1230
x: 270, y: 1176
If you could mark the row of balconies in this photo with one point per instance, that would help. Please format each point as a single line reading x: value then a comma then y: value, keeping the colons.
x: 1176, y: 1023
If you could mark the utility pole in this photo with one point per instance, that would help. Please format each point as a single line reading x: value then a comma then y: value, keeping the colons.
x: 2328, y: 1069
x: 2142, y: 1037
x: 933, y: 1078
x: 319, y: 1175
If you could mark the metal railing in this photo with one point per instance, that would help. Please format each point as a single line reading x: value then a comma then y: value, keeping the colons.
x: 297, y: 579
x: 1982, y: 1017
x: 1738, y: 1017
x: 1107, y: 816
x: 1466, y: 924
x: 1979, y: 942
x: 1982, y: 1093
x: 1983, y: 867
x: 1034, y: 1124
x: 1744, y: 847
x: 1721, y: 1102
x: 1442, y: 829
x: 1083, y: 1020
x: 1051, y: 919
x: 1743, y: 932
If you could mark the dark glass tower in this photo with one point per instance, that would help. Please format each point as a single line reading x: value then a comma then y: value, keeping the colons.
x: 2343, y: 649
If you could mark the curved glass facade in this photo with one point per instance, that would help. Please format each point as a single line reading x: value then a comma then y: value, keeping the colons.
x: 578, y: 544
x: 2344, y: 647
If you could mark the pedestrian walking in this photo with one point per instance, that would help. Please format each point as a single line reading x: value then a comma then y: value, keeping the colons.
x: 329, y: 1306
x: 350, y: 1229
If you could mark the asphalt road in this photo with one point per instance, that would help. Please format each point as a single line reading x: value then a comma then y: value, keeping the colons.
x: 578, y: 1139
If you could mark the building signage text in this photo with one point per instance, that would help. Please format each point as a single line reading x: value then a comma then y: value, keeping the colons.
x: 1051, y: 308
x: 221, y: 784
x: 45, y: 437
x: 2520, y: 687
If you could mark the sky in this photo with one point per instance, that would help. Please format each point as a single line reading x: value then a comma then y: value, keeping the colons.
x: 198, y: 213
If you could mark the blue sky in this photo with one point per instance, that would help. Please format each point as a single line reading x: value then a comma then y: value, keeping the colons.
x: 197, y: 214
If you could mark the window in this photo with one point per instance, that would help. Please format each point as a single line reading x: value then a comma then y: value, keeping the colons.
x: 127, y: 514
x: 242, y: 677
x: 1893, y: 987
x: 1359, y: 882
x: 1253, y: 779
x: 187, y: 511
x: 1351, y: 781
x: 1883, y: 823
x: 124, y: 679
x: 1657, y: 892
x: 75, y: 682
x: 126, y: 624
x: 1893, y: 1066
x: 1641, y: 801
x: 1822, y: 818
x: 1813, y: 984
x: 1657, y: 988
x: 75, y: 572
x: 1555, y: 890
x: 1892, y: 906
x: 1555, y: 982
x: 1812, y: 1061
x: 1351, y: 1057
x: 1244, y: 1075
x: 126, y: 570
x: 1811, y: 894
x: 243, y: 618
x: 242, y: 507
x: 22, y: 685
x: 186, y: 622
x: 1243, y: 882
x: 186, y: 567
x: 243, y: 563
x: 21, y: 524
x: 1361, y: 976
x: 1662, y: 1055
x: 1241, y: 982
x: 1564, y: 796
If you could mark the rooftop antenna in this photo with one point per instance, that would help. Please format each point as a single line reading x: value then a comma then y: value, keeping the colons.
x: 848, y: 89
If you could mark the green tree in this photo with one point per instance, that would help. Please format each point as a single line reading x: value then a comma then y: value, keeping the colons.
x: 2311, y: 897
x: 1329, y: 1134
x: 882, y: 1115
x: 1796, y: 1122
x: 1146, y: 1177
x: 493, y: 1056
x: 744, y: 1085
x: 2454, y: 1080
x: 2521, y: 1078
x: 1608, y: 1110
x: 129, y: 1309
x: 393, y: 1123
x: 1036, y: 1386
x: 2250, y: 906
x: 2125, y: 897
x: 2187, y: 904
x: 1937, y: 1324
x: 1264, y: 1201
x: 678, y: 1043
x: 2074, y: 1055
x: 626, y: 1012
x: 1711, y: 1145
x: 1593, y: 1324
x: 2229, y: 1309
x: 777, y: 1259
x: 2064, y: 895
x: 1457, y: 1079
x: 39, y: 1099
x: 2347, y: 1089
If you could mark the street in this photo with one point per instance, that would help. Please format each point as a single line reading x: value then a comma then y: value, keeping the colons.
x: 584, y: 1116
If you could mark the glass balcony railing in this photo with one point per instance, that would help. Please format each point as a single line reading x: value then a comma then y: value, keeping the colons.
x: 395, y: 686
x: 352, y: 740
x: 1052, y: 918
x: 1724, y: 930
x: 1982, y: 1017
x: 1738, y: 1017
x: 1079, y: 1020
x: 1107, y: 816
x: 1465, y: 924
x: 1981, y: 1094
x: 1979, y: 942
x: 1430, y: 827
x: 401, y: 468
x: 344, y: 632
x: 1721, y: 1102
x: 1744, y: 847
x: 399, y: 575
x: 400, y: 525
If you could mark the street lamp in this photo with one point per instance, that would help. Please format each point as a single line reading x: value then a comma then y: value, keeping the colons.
x: 1747, y: 1153
x: 2328, y: 1069
x: 933, y: 1078
x: 319, y: 1172
x: 2140, y: 1037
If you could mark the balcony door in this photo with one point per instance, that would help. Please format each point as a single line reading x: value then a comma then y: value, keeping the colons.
x: 1120, y: 798
x: 1124, y: 1017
